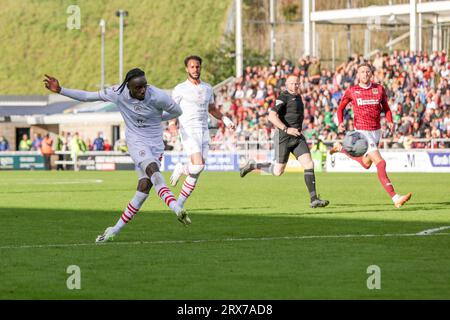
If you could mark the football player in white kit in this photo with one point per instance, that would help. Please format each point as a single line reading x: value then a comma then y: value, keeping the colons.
x: 143, y: 107
x: 196, y: 99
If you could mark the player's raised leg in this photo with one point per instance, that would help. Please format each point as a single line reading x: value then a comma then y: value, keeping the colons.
x: 132, y: 208
x: 398, y: 200
x: 192, y: 170
x: 152, y: 170
x: 364, y: 161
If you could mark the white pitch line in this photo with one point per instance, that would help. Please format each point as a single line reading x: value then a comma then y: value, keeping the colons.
x: 50, y: 182
x: 430, y: 231
x: 163, y: 242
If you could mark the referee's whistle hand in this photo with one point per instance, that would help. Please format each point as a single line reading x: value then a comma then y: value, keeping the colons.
x: 293, y: 132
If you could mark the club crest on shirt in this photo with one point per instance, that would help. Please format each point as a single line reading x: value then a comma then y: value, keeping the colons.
x: 375, y: 91
x: 137, y: 108
x: 142, y: 153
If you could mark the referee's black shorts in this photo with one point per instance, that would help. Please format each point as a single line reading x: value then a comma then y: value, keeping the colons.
x: 290, y: 144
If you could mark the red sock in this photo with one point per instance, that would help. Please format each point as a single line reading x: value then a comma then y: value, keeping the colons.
x: 358, y: 159
x: 382, y: 176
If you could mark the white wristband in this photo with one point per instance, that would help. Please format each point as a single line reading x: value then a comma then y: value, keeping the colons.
x: 227, y: 121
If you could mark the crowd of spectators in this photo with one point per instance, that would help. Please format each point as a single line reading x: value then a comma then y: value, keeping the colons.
x: 66, y: 141
x: 417, y: 86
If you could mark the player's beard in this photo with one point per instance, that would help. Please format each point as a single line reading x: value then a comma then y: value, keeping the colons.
x: 194, y: 77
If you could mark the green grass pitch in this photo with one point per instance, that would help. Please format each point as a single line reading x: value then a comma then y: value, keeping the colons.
x: 248, y: 238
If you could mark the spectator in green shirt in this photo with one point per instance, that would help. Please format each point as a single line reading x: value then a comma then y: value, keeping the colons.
x: 310, y: 133
x: 328, y: 118
x: 77, y: 146
x: 25, y: 143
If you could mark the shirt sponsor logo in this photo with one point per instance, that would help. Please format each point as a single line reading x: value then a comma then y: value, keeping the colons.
x: 363, y: 102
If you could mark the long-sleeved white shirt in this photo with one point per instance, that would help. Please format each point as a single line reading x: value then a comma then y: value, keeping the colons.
x: 142, y: 118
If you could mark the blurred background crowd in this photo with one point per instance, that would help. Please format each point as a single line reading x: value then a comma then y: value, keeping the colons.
x: 417, y: 86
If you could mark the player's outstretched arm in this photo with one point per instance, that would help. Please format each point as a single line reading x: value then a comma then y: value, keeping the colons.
x: 215, y: 112
x: 166, y: 116
x: 52, y: 84
x: 171, y: 109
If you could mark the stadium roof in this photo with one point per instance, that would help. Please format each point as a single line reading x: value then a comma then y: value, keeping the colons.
x: 26, y: 110
x: 23, y: 101
x: 386, y: 15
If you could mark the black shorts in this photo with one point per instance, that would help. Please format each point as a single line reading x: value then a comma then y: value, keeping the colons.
x: 290, y: 144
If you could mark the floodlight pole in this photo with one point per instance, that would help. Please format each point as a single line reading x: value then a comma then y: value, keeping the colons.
x: 272, y: 29
x: 349, y: 33
x: 121, y: 14
x: 419, y: 31
x: 239, y: 42
x: 412, y: 25
x: 102, y: 76
x: 307, y: 27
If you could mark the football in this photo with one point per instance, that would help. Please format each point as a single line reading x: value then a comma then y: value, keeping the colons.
x: 355, y: 144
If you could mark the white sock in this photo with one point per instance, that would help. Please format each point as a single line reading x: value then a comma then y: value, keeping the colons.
x: 186, y: 190
x: 395, y: 198
x: 186, y: 169
x: 130, y: 211
x: 164, y: 192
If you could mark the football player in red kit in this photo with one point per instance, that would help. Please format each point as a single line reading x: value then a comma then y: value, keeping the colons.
x: 368, y: 101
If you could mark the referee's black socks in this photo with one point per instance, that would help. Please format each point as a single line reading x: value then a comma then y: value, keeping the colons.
x: 310, y: 180
x: 265, y: 166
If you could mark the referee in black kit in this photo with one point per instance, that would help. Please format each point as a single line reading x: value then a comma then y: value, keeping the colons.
x: 287, y: 117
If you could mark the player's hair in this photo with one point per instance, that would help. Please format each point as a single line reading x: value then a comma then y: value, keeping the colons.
x: 187, y: 59
x: 291, y: 75
x: 133, y: 73
x: 365, y: 64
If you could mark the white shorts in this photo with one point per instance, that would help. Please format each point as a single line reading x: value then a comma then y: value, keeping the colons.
x: 373, y: 138
x: 195, y: 141
x: 144, y: 154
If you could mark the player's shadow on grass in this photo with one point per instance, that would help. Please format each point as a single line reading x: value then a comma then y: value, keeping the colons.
x: 234, y: 208
x: 35, y: 226
x: 47, y: 191
x: 347, y: 205
x: 432, y: 203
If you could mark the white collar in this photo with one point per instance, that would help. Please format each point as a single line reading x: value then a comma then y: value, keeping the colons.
x: 193, y: 84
